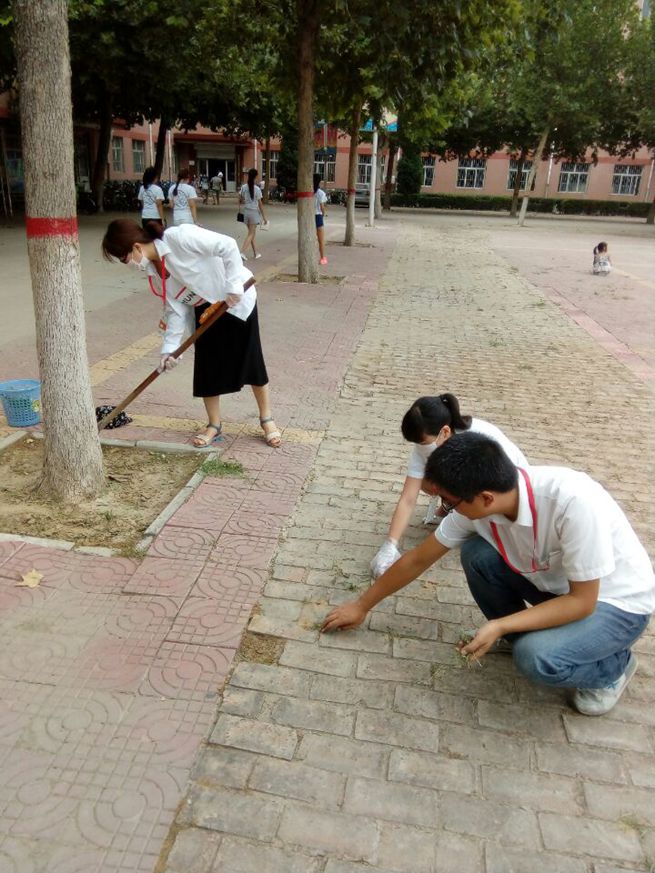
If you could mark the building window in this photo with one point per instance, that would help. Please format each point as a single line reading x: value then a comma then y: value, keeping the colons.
x: 325, y: 164
x: 364, y: 163
x: 626, y: 179
x: 470, y: 173
x: 138, y: 155
x: 428, y: 171
x: 272, y: 164
x: 117, y: 163
x: 511, y: 176
x: 573, y: 178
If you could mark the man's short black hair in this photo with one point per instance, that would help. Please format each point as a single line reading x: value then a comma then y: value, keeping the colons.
x: 469, y: 463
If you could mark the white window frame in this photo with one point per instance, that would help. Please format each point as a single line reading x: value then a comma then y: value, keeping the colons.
x: 273, y: 158
x: 117, y: 154
x: 429, y: 163
x: 325, y: 164
x: 511, y: 174
x: 139, y: 151
x: 364, y: 164
x: 573, y: 177
x: 471, y: 172
x: 626, y: 176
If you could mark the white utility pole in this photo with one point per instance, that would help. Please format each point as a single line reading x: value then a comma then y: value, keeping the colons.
x: 374, y: 176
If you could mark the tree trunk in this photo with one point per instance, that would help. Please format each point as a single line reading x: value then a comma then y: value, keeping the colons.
x: 650, y: 218
x: 72, y: 467
x: 349, y: 239
x: 517, y: 185
x: 536, y: 160
x: 267, y: 170
x: 378, y: 178
x: 160, y: 149
x: 393, y: 148
x: 308, y: 17
x: 102, y: 152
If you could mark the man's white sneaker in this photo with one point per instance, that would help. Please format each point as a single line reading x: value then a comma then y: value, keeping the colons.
x: 598, y: 701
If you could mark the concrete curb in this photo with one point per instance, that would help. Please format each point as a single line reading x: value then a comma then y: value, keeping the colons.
x: 11, y: 439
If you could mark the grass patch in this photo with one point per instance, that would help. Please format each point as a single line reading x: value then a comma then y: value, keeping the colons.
x: 216, y: 467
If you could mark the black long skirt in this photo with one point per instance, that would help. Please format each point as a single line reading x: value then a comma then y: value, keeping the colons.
x: 228, y: 356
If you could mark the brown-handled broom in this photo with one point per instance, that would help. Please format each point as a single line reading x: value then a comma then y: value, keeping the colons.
x: 208, y: 317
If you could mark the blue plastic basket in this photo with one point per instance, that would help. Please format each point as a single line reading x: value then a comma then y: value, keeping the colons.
x: 21, y: 401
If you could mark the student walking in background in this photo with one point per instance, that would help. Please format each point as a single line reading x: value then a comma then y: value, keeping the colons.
x: 250, y: 200
x: 151, y: 198
x: 182, y: 197
x: 320, y: 199
x: 602, y: 264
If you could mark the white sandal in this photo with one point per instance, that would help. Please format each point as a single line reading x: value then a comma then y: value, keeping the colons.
x: 274, y: 437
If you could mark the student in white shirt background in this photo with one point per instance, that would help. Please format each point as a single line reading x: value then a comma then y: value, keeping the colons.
x: 151, y: 198
x: 428, y: 423
x: 190, y: 268
x: 182, y: 198
x: 550, y: 537
x: 250, y: 199
x: 320, y: 199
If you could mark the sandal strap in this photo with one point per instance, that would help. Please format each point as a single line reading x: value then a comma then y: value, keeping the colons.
x: 217, y: 427
x: 263, y: 421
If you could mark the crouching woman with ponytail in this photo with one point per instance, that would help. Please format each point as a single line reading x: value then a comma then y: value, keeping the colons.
x: 190, y: 268
x: 428, y: 423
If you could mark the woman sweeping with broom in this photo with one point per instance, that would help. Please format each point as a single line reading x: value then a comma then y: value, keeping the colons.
x: 190, y: 268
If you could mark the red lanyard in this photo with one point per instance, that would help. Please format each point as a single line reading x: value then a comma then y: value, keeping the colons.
x: 163, y: 281
x: 533, y: 511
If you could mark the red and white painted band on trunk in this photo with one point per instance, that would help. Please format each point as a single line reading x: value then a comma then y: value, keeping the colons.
x: 36, y: 227
x: 300, y: 194
x: 352, y: 190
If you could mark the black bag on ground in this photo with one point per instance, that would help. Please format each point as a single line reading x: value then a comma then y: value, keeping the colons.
x: 121, y: 419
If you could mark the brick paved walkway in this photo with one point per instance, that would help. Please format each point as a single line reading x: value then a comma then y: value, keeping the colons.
x: 375, y: 750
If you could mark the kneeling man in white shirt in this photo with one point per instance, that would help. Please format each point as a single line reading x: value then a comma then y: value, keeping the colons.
x: 548, y: 537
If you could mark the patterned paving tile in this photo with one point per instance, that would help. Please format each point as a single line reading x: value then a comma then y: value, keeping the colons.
x: 8, y: 548
x: 255, y: 523
x: 71, y: 569
x: 182, y: 542
x: 236, y: 550
x: 205, y: 510
x: 230, y: 584
x: 170, y: 577
x: 288, y: 483
x: 207, y: 622
x: 187, y: 672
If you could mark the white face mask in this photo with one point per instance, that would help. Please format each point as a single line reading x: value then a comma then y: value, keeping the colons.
x: 139, y: 265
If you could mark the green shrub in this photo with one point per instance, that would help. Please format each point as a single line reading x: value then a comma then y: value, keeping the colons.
x: 484, y: 203
x: 409, y: 176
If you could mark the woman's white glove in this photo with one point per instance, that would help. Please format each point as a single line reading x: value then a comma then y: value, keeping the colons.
x: 168, y: 362
x: 386, y: 555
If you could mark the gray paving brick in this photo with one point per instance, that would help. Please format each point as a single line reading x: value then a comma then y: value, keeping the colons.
x: 600, y: 765
x: 425, y: 650
x: 544, y: 724
x: 431, y: 771
x: 397, y: 730
x: 392, y: 669
x: 407, y: 849
x: 483, y: 746
x: 407, y: 625
x: 532, y: 790
x: 306, y: 656
x: 315, y: 715
x: 350, y: 867
x: 432, y: 704
x: 278, y: 627
x: 244, y: 856
x: 360, y: 640
x: 331, y: 832
x: 271, y: 678
x: 344, y: 755
x: 641, y: 769
x: 358, y: 692
x: 457, y: 853
x: 298, y: 781
x: 398, y: 803
x: 242, y: 701
x: 605, y: 732
x: 585, y: 836
x: 502, y: 859
x: 490, y: 820
x: 254, y: 736
x: 232, y: 812
x: 193, y: 851
x: 221, y: 766
x: 616, y: 802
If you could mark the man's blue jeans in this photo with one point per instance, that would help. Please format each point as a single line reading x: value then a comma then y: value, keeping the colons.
x: 590, y: 653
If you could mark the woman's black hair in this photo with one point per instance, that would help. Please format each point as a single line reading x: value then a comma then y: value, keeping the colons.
x: 183, y: 174
x: 469, y: 463
x: 252, y: 175
x: 317, y: 182
x: 122, y: 233
x: 427, y: 415
x: 601, y: 247
x: 149, y: 177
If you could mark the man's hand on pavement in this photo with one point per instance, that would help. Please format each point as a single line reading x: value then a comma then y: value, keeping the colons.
x: 345, y: 617
x: 482, y: 641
